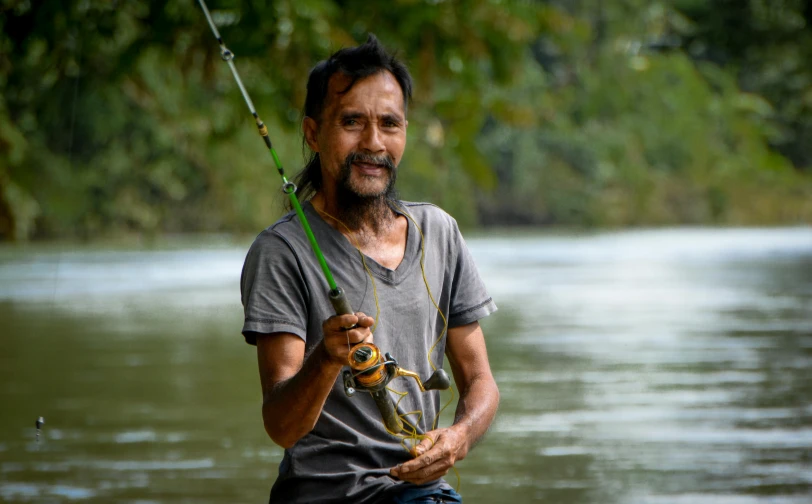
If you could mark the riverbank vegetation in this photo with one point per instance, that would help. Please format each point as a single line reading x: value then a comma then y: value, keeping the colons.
x: 119, y: 117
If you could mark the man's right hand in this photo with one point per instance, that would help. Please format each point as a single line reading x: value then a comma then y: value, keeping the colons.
x: 338, y: 339
x: 294, y: 389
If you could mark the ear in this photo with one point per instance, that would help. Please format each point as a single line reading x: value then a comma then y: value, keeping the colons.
x: 310, y: 127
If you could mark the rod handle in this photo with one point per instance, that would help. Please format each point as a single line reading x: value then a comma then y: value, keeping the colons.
x: 340, y: 302
x: 387, y: 408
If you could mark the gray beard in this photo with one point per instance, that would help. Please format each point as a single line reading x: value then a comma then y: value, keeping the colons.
x: 356, y: 210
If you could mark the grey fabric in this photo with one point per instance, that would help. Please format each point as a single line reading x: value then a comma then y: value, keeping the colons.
x: 349, y: 453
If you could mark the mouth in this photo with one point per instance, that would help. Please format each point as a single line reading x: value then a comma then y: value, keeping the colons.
x: 370, y: 169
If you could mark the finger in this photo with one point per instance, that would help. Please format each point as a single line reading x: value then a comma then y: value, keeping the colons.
x: 357, y: 336
x: 364, y: 320
x: 422, y: 462
x: 419, y: 464
x: 423, y: 447
x: 341, y: 322
x: 435, y: 469
x: 422, y: 478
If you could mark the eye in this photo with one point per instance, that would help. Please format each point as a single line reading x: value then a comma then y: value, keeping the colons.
x: 350, y: 122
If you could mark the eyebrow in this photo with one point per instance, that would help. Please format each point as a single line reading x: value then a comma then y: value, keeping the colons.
x: 351, y: 115
x: 396, y: 118
x: 358, y: 115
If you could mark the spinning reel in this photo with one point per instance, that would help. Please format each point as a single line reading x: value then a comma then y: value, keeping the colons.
x: 371, y: 372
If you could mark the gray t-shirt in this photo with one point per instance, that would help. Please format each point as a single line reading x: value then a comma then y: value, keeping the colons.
x: 347, y: 456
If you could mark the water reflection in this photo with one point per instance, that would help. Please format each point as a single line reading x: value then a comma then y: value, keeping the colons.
x: 650, y: 366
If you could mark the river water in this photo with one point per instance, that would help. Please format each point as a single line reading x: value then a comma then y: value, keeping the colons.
x: 662, y: 366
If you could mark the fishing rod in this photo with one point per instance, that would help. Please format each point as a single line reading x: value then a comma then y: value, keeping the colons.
x: 370, y: 371
x: 337, y: 297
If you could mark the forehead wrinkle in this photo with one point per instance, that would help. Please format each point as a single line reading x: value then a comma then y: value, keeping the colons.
x: 337, y: 96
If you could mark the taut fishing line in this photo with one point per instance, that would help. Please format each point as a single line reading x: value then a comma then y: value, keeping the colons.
x: 40, y: 421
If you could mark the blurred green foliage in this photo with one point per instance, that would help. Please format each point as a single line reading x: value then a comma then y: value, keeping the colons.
x: 120, y: 116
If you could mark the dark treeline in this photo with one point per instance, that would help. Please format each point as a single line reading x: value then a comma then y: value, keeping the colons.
x: 119, y: 116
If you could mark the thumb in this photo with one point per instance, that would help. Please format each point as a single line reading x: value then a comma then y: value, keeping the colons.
x: 423, y: 447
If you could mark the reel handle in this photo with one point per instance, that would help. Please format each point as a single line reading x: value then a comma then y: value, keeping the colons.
x: 437, y: 381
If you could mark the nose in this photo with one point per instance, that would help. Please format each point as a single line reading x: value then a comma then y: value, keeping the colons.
x: 372, y: 140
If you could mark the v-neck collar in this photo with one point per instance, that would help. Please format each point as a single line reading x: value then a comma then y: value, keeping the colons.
x: 339, y: 242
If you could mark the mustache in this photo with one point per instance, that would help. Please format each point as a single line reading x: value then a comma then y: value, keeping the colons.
x: 358, y: 157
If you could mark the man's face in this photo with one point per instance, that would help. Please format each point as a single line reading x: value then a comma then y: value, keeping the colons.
x: 361, y: 135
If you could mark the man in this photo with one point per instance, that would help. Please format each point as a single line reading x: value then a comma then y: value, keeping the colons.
x: 336, y: 447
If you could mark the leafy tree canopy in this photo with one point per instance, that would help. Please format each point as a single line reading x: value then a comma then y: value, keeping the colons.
x: 120, y: 116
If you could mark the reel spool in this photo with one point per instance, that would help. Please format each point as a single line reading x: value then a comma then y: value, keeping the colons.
x: 370, y: 371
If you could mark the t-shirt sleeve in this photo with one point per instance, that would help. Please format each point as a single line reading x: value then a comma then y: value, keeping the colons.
x: 274, y: 293
x: 469, y: 298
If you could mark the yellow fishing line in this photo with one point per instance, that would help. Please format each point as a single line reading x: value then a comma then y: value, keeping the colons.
x: 436, y: 306
x: 410, y: 432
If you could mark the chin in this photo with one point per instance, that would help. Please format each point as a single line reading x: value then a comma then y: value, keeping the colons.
x: 370, y: 187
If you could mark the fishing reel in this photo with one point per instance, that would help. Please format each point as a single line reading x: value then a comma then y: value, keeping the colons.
x: 371, y: 372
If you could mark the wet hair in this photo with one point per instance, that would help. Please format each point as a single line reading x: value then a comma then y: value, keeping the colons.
x: 357, y: 63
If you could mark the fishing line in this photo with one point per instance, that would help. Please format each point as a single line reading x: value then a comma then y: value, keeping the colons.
x: 336, y: 295
x: 40, y: 422
x: 414, y: 433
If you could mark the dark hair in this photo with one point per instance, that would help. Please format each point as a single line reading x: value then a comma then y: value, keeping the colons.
x: 356, y: 63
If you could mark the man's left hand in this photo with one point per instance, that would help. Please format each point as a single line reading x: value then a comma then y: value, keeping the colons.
x: 436, y: 454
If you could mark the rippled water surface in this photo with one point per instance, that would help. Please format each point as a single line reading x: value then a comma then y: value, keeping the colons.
x: 670, y: 366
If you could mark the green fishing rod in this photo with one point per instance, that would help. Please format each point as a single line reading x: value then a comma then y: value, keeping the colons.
x: 371, y: 370
x: 336, y: 294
